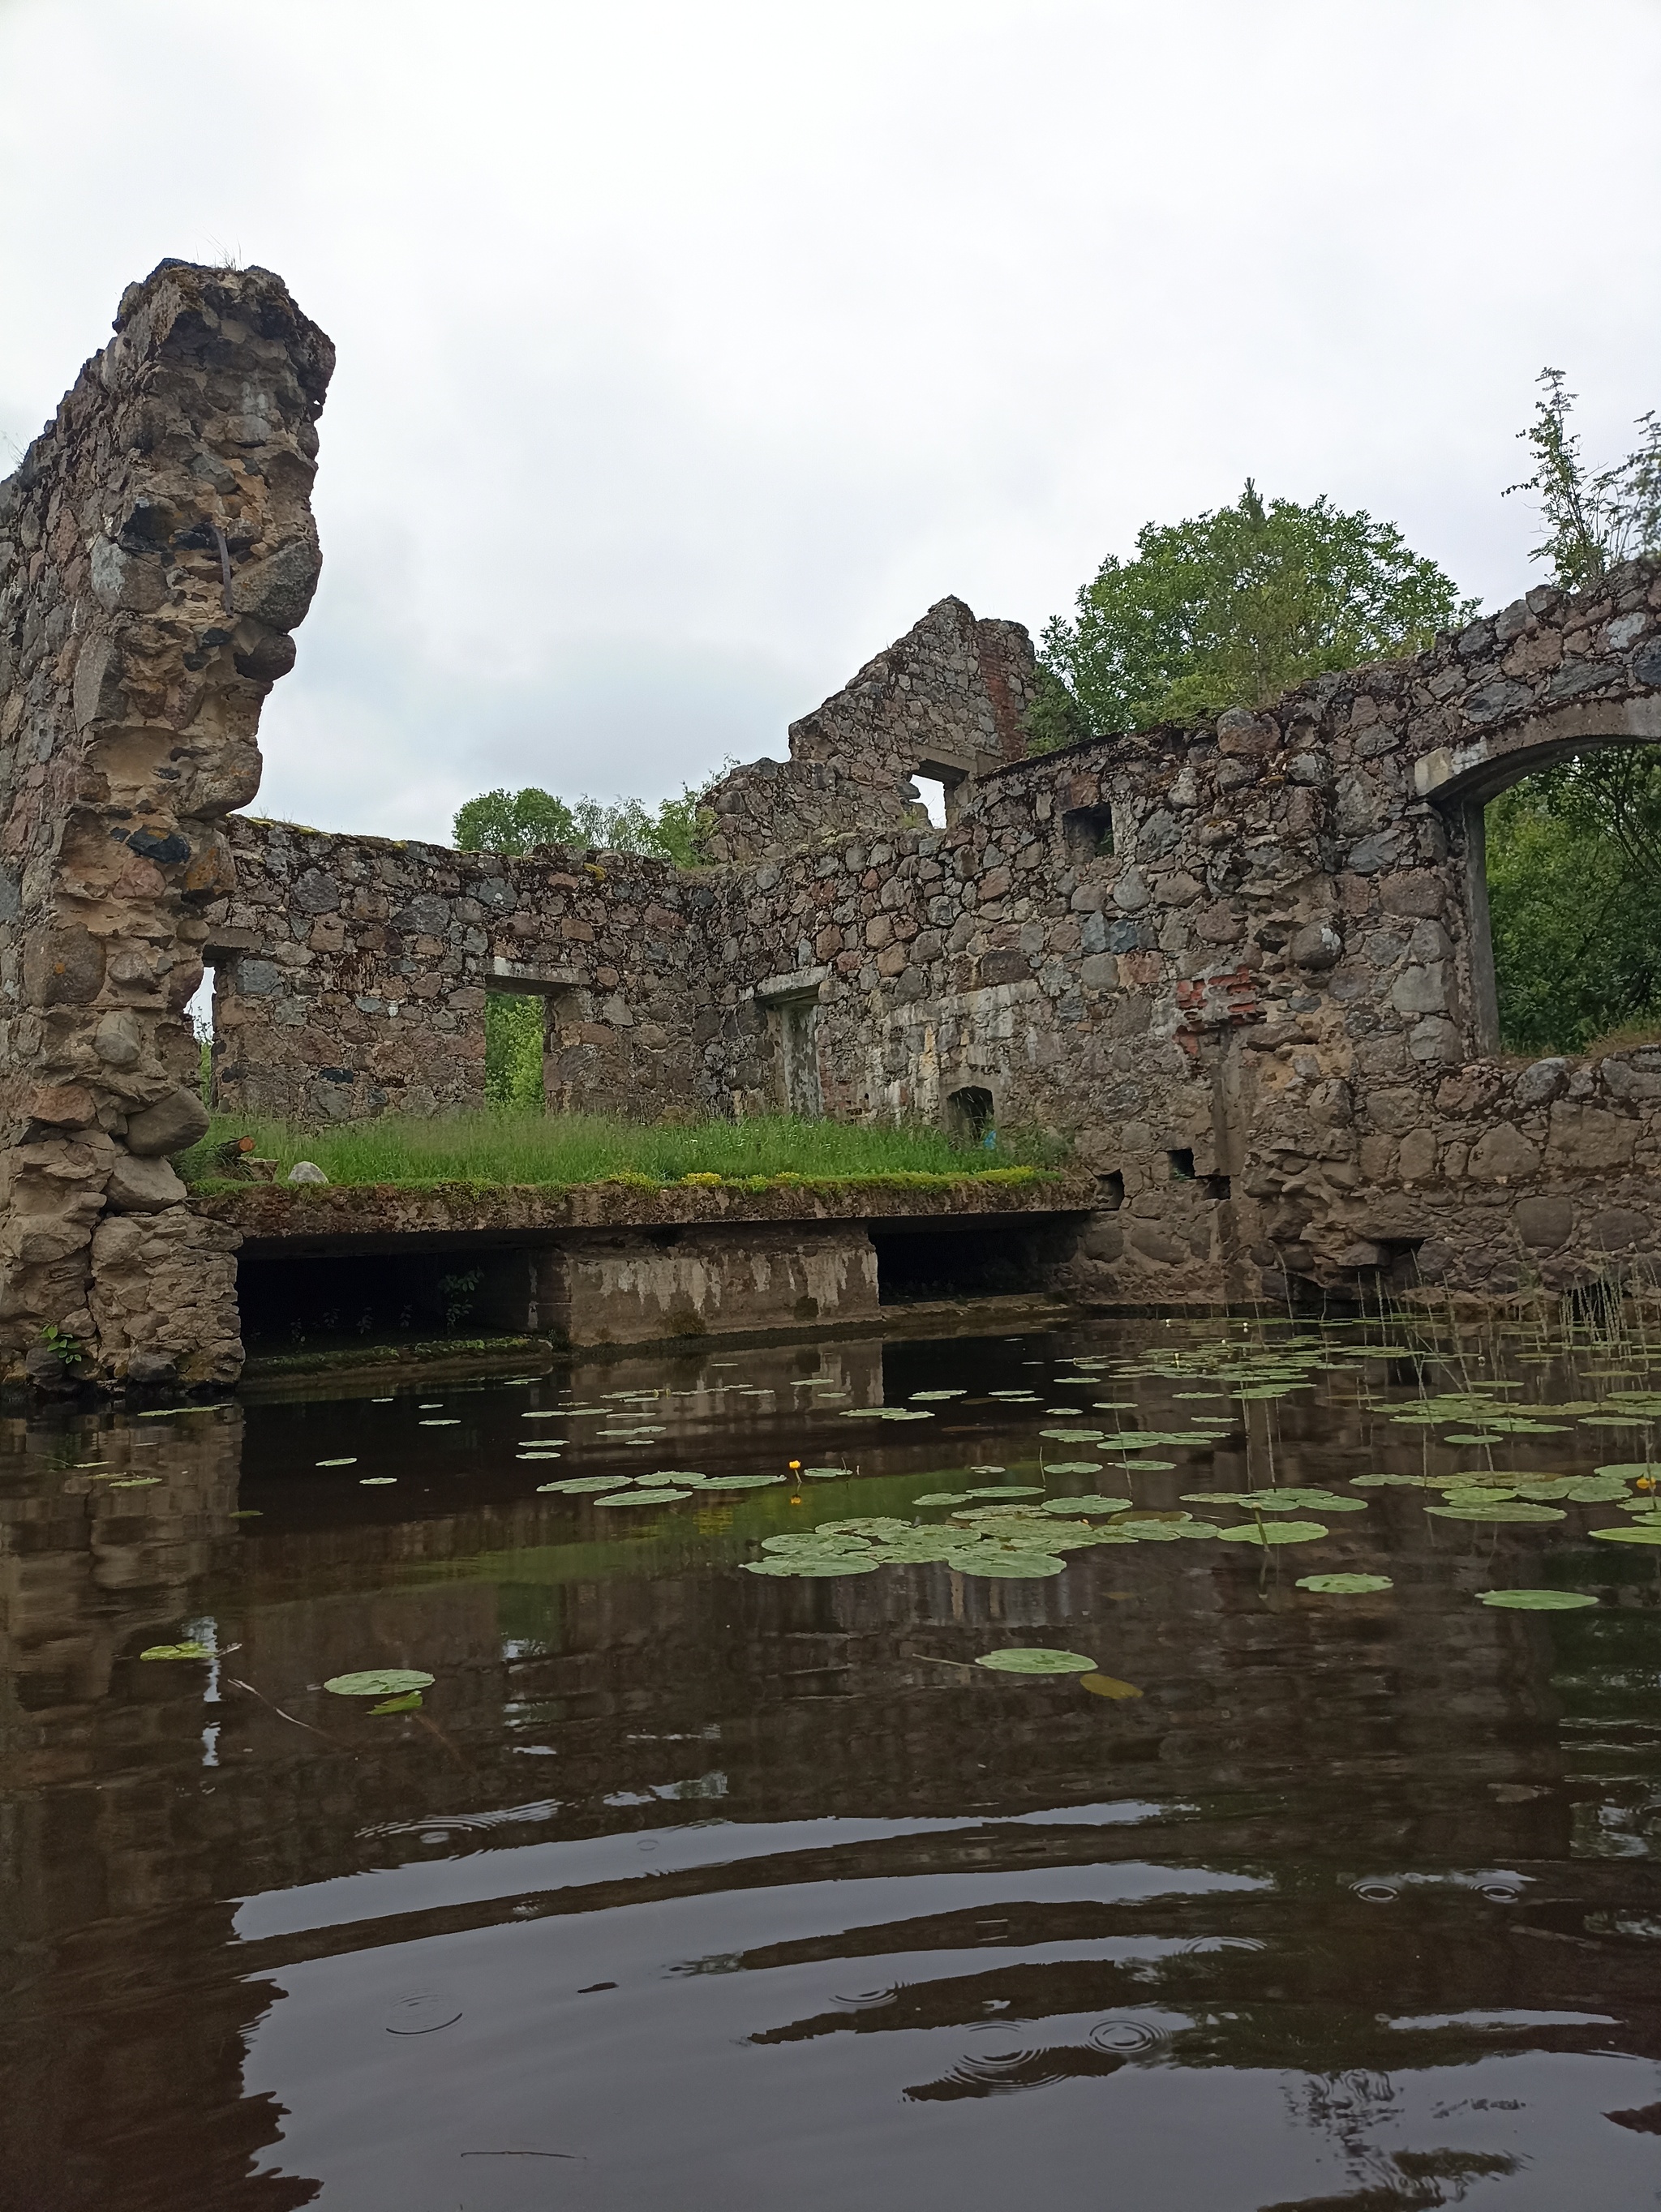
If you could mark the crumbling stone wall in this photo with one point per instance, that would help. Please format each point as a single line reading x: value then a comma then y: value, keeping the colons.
x: 351, y: 974
x: 157, y: 551
x: 1247, y: 969
x: 946, y: 702
x: 1243, y: 967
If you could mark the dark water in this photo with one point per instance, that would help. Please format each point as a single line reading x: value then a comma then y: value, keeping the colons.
x: 692, y: 1887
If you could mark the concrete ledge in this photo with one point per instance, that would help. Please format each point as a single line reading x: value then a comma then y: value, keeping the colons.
x: 284, y: 1214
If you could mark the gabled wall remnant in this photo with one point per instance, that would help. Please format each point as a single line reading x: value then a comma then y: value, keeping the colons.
x: 1245, y: 968
x: 156, y: 549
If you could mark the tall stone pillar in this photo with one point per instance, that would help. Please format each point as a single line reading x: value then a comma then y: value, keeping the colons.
x: 157, y: 551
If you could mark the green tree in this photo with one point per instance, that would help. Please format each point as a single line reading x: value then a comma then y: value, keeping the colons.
x: 1574, y: 852
x: 512, y: 821
x: 1230, y: 609
x: 1576, y: 935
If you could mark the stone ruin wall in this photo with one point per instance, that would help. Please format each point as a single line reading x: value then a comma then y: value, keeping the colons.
x: 1258, y: 951
x: 350, y: 976
x: 156, y: 549
x: 1277, y: 968
x: 1280, y: 969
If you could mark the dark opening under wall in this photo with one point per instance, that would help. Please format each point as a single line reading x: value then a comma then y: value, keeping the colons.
x: 330, y: 1301
x: 998, y: 1261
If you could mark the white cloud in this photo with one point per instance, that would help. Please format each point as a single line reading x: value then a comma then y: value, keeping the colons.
x: 686, y: 355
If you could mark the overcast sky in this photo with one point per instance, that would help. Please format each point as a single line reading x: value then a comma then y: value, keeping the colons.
x: 689, y: 352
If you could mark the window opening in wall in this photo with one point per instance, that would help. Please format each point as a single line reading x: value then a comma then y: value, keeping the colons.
x: 940, y: 784
x: 516, y: 1039
x: 970, y: 1117
x: 1565, y: 884
x: 1218, y: 1187
x: 1110, y: 1191
x: 796, y: 1026
x: 1181, y: 1165
x: 1088, y: 832
x: 199, y: 1014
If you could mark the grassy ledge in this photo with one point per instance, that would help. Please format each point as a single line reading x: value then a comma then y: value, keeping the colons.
x: 495, y: 1149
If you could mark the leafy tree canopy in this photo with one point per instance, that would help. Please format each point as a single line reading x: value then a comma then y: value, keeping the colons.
x: 1230, y: 609
x: 510, y: 822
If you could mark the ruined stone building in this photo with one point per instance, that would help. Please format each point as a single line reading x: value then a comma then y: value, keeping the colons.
x: 1245, y: 968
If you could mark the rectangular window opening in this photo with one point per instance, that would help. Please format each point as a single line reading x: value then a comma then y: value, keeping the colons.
x: 1109, y: 1190
x: 793, y: 1018
x: 1181, y: 1164
x: 1088, y: 832
x: 517, y: 1025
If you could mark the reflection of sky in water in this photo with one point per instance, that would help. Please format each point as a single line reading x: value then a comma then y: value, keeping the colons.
x: 1354, y: 1905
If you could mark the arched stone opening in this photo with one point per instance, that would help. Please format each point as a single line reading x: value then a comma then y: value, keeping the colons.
x: 1563, y: 945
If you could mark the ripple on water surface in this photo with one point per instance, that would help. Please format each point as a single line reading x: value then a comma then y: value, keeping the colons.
x: 1247, y: 1876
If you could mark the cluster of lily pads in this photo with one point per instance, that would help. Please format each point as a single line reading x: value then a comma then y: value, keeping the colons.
x: 996, y: 1531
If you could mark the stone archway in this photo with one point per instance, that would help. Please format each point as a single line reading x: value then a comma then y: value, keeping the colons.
x: 1462, y: 781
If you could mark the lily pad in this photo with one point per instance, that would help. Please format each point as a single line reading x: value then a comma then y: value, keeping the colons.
x: 374, y: 1481
x: 1086, y: 1505
x: 1535, y: 1600
x: 1503, y: 1509
x: 1345, y: 1585
x: 406, y: 1704
x: 944, y: 1497
x: 380, y: 1682
x: 1075, y: 1466
x: 1036, y: 1659
x: 179, y: 1651
x: 1008, y: 1490
x: 1275, y: 1532
x: 643, y: 1496
x: 338, y: 1462
x: 1077, y: 1435
x: 821, y: 1473
x: 1647, y: 1532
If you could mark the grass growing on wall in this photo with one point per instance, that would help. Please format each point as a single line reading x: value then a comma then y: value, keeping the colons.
x: 499, y: 1148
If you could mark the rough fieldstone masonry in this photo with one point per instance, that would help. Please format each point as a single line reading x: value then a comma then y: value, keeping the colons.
x: 156, y: 549
x: 1245, y: 968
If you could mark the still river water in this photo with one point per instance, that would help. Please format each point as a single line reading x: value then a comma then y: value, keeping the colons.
x: 692, y: 1887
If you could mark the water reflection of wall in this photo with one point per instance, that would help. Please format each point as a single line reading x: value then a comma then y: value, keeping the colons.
x: 123, y: 2037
